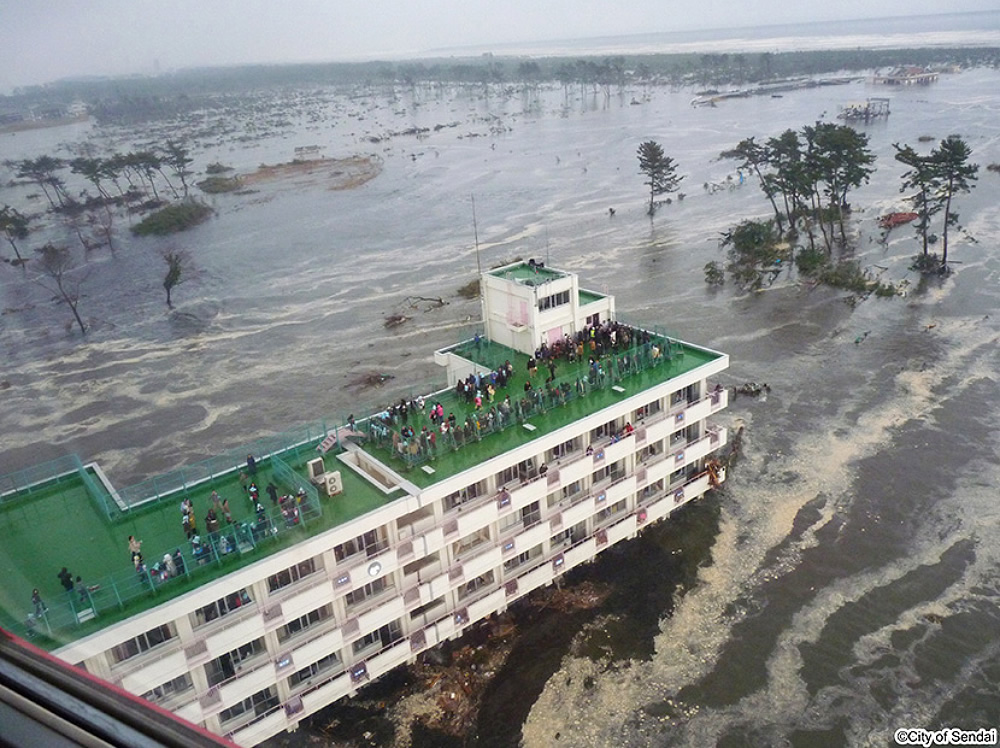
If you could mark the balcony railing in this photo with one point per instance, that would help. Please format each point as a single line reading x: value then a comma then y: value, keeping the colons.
x: 440, y: 614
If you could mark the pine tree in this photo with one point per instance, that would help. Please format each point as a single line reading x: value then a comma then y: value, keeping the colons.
x: 660, y: 171
x: 954, y: 176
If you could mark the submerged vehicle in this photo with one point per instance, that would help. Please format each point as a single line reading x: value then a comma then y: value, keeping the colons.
x: 891, y: 220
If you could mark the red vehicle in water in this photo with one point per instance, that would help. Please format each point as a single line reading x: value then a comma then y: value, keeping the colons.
x: 891, y: 220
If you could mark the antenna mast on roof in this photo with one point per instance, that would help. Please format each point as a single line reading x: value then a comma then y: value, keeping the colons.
x: 475, y: 231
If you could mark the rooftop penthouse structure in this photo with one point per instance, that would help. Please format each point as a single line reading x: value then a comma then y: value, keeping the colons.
x: 563, y: 431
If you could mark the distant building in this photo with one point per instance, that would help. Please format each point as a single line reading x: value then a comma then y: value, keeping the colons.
x: 77, y: 109
x: 907, y: 75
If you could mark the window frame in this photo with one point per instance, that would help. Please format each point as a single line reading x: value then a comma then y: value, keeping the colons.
x: 293, y: 574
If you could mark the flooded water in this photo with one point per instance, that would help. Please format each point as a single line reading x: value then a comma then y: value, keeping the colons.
x: 843, y: 585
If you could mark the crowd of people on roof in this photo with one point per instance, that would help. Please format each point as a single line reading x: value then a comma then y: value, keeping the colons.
x: 224, y: 534
x: 418, y: 430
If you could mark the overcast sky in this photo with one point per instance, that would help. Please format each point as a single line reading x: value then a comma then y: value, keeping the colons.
x: 43, y: 41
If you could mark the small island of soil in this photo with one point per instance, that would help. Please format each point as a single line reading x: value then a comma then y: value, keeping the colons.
x: 332, y: 173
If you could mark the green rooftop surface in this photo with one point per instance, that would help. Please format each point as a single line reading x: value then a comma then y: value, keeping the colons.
x: 447, y: 462
x: 523, y: 272
x: 588, y: 297
x: 59, y: 525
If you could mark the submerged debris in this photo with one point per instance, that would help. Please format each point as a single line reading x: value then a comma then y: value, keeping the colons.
x: 752, y: 389
x: 395, y: 320
x: 433, y: 302
x: 369, y: 379
x: 452, y: 684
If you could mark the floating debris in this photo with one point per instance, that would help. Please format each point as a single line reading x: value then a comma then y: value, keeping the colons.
x: 753, y: 389
x: 370, y: 379
x: 865, y: 111
x: 891, y: 220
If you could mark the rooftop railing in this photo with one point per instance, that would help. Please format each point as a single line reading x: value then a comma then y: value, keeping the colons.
x: 509, y: 407
x: 114, y: 593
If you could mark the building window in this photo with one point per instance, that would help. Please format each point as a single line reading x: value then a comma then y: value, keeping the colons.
x: 617, y: 508
x: 470, y: 588
x: 650, y: 451
x: 561, y: 537
x: 507, y: 475
x: 609, y: 429
x: 228, y: 665
x: 327, y: 663
x: 652, y: 489
x: 523, y: 558
x: 427, y: 608
x: 528, y: 516
x: 222, y: 607
x: 466, y: 494
x: 371, y: 543
x: 560, y: 451
x: 471, y: 541
x: 573, y: 490
x: 291, y: 575
x: 650, y: 409
x: 303, y: 622
x: 570, y: 535
x: 171, y: 687
x: 550, y: 302
x: 615, y: 471
x: 260, y: 703
x: 371, y: 589
x: 386, y: 636
x: 143, y: 642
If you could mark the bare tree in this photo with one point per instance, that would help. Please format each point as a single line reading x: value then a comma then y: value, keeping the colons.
x: 101, y: 223
x: 56, y: 264
x: 176, y: 156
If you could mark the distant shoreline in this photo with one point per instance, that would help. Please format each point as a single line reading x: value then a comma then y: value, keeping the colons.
x: 39, y: 124
x: 133, y: 99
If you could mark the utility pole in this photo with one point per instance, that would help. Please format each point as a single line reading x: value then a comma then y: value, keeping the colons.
x: 475, y: 231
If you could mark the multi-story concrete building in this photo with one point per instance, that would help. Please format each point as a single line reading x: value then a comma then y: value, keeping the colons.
x: 424, y: 537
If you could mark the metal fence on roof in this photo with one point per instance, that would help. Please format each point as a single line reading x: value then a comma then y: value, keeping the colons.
x: 387, y: 430
x: 155, y: 578
x: 22, y: 483
x: 177, y: 482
